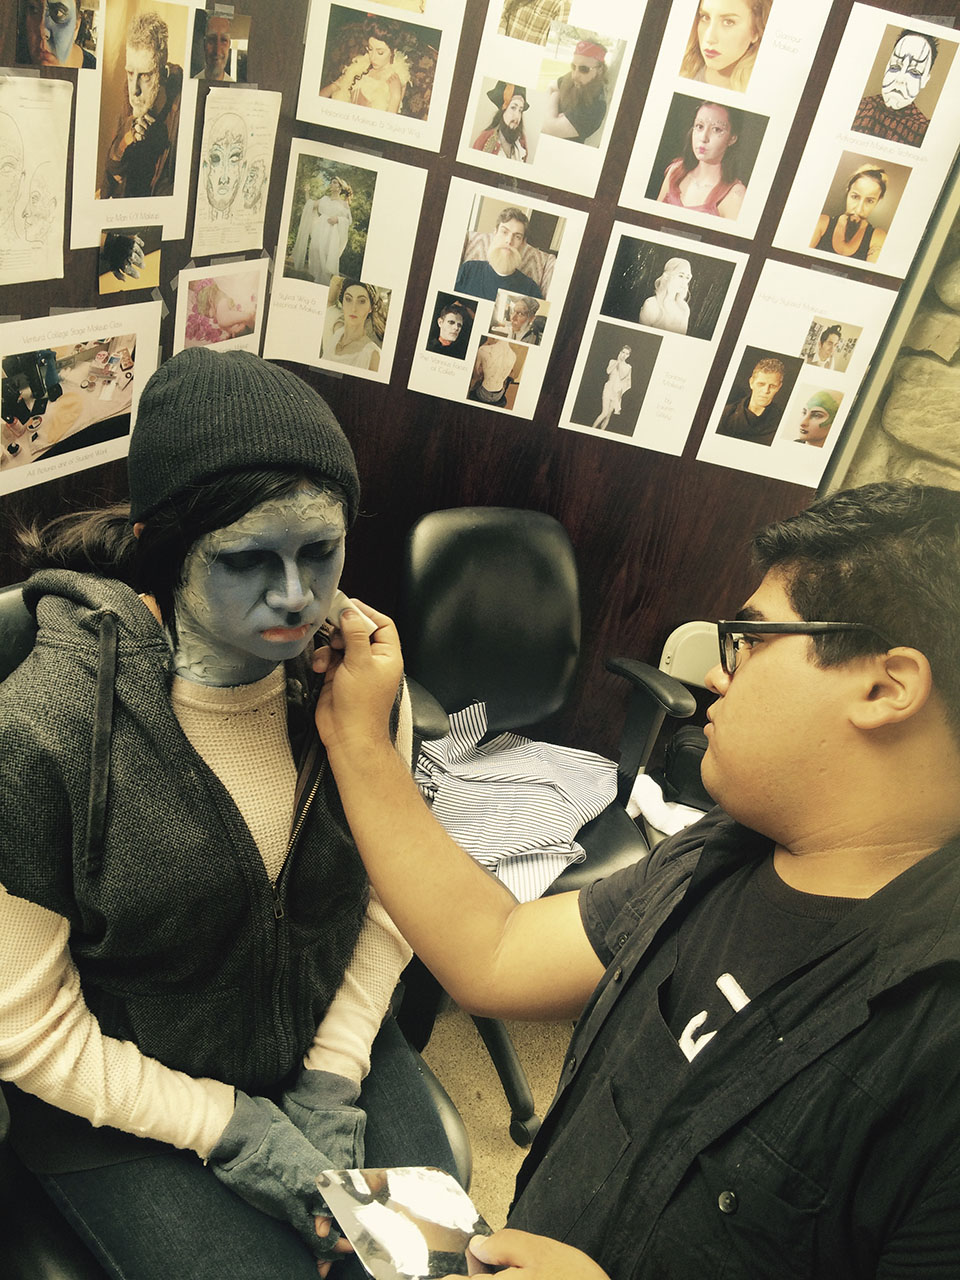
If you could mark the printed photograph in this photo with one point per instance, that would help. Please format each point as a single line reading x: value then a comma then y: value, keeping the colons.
x: 59, y: 399
x: 903, y: 86
x: 811, y: 423
x: 508, y: 247
x: 859, y: 207
x: 219, y: 48
x: 724, y: 42
x: 706, y: 156
x: 140, y: 95
x: 499, y: 126
x: 221, y: 306
x: 129, y: 259
x: 532, y: 20
x: 355, y: 323
x: 496, y: 372
x: 329, y: 220
x: 577, y: 76
x: 758, y: 395
x: 519, y: 318
x: 381, y: 63
x: 57, y: 33
x: 452, y: 325
x: 829, y: 343
x: 615, y: 379
x: 667, y: 288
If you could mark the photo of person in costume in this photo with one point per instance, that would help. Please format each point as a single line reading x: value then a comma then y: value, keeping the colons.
x: 379, y: 63
x: 816, y: 417
x: 140, y: 158
x: 859, y: 208
x: 508, y: 247
x: 576, y: 104
x: 724, y: 42
x: 496, y: 372
x: 56, y: 33
x: 355, y: 323
x: 220, y: 308
x: 616, y: 375
x: 129, y: 259
x: 829, y: 344
x: 329, y: 220
x: 904, y: 86
x: 705, y: 157
x: 760, y: 391
x: 519, y: 318
x: 449, y: 335
x: 667, y: 288
x: 504, y: 135
x: 186, y: 894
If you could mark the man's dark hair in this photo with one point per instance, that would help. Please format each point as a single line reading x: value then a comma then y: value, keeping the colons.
x: 829, y: 332
x: 513, y: 215
x: 932, y: 41
x: 886, y: 555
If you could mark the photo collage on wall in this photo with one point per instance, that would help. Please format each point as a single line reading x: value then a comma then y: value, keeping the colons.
x: 340, y: 275
x: 801, y: 355
x: 881, y: 145
x: 721, y: 103
x: 652, y: 333
x: 499, y: 281
x: 70, y: 388
x: 383, y: 74
x: 545, y: 93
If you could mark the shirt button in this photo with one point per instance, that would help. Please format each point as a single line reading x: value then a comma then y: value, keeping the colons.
x: 621, y: 940
x: 617, y: 975
x: 727, y: 1202
x: 572, y: 1063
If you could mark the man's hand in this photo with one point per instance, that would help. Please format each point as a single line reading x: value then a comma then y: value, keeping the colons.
x: 360, y: 683
x: 529, y: 1257
x: 323, y: 1227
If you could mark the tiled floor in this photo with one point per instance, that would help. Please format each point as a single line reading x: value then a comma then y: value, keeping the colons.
x: 458, y: 1057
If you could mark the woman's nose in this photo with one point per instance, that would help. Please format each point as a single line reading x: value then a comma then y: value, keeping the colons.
x: 292, y: 593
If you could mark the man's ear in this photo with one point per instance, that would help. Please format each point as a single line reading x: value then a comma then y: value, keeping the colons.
x: 896, y: 685
x: 138, y: 528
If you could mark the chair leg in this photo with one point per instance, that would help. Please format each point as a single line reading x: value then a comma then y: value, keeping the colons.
x: 524, y: 1122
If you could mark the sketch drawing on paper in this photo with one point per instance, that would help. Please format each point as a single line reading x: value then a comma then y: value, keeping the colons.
x: 225, y: 164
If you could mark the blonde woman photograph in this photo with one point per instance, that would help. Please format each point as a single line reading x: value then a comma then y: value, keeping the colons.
x: 724, y: 41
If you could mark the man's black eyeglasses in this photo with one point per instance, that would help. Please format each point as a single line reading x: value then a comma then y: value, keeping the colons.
x: 734, y: 634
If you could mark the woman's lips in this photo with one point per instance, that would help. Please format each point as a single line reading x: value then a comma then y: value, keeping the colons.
x: 284, y: 635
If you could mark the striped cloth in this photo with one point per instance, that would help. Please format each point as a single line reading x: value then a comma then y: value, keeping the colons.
x: 513, y: 804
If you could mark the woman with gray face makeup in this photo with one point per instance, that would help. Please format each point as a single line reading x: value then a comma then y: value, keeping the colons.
x: 193, y: 972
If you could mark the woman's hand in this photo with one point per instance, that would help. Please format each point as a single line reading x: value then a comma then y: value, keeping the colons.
x: 362, y: 673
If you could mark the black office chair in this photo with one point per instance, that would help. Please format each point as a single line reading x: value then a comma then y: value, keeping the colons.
x: 36, y: 1243
x: 490, y: 611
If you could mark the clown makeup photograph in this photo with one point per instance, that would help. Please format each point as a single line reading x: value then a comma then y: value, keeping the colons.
x: 724, y: 42
x: 667, y: 286
x: 904, y: 86
x: 58, y: 33
x: 499, y: 122
x: 705, y: 158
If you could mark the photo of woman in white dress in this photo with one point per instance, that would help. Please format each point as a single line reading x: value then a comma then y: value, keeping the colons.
x: 615, y: 388
x: 323, y: 231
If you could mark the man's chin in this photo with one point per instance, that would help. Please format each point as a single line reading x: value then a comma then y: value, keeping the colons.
x: 504, y: 261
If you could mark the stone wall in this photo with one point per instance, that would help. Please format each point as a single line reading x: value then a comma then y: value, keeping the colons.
x: 914, y: 433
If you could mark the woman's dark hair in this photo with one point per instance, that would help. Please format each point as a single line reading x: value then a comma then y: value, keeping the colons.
x: 103, y: 542
x: 729, y: 165
x: 386, y: 32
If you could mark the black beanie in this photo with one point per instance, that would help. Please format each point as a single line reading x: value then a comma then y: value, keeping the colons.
x: 204, y: 412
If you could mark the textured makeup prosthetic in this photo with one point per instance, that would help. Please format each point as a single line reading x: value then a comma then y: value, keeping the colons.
x: 253, y: 593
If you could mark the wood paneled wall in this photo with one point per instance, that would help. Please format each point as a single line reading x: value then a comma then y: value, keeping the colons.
x: 659, y: 540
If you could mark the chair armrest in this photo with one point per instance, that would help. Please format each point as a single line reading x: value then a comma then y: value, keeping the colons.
x: 429, y: 718
x: 654, y: 696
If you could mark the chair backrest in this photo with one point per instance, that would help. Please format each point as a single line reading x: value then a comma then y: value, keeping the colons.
x: 490, y: 611
x: 18, y: 629
x: 690, y: 651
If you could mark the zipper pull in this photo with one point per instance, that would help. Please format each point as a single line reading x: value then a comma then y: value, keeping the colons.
x: 277, y: 905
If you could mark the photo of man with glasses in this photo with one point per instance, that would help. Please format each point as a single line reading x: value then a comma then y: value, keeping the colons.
x: 766, y: 1060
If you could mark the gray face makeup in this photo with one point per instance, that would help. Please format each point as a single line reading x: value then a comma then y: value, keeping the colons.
x: 254, y: 592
